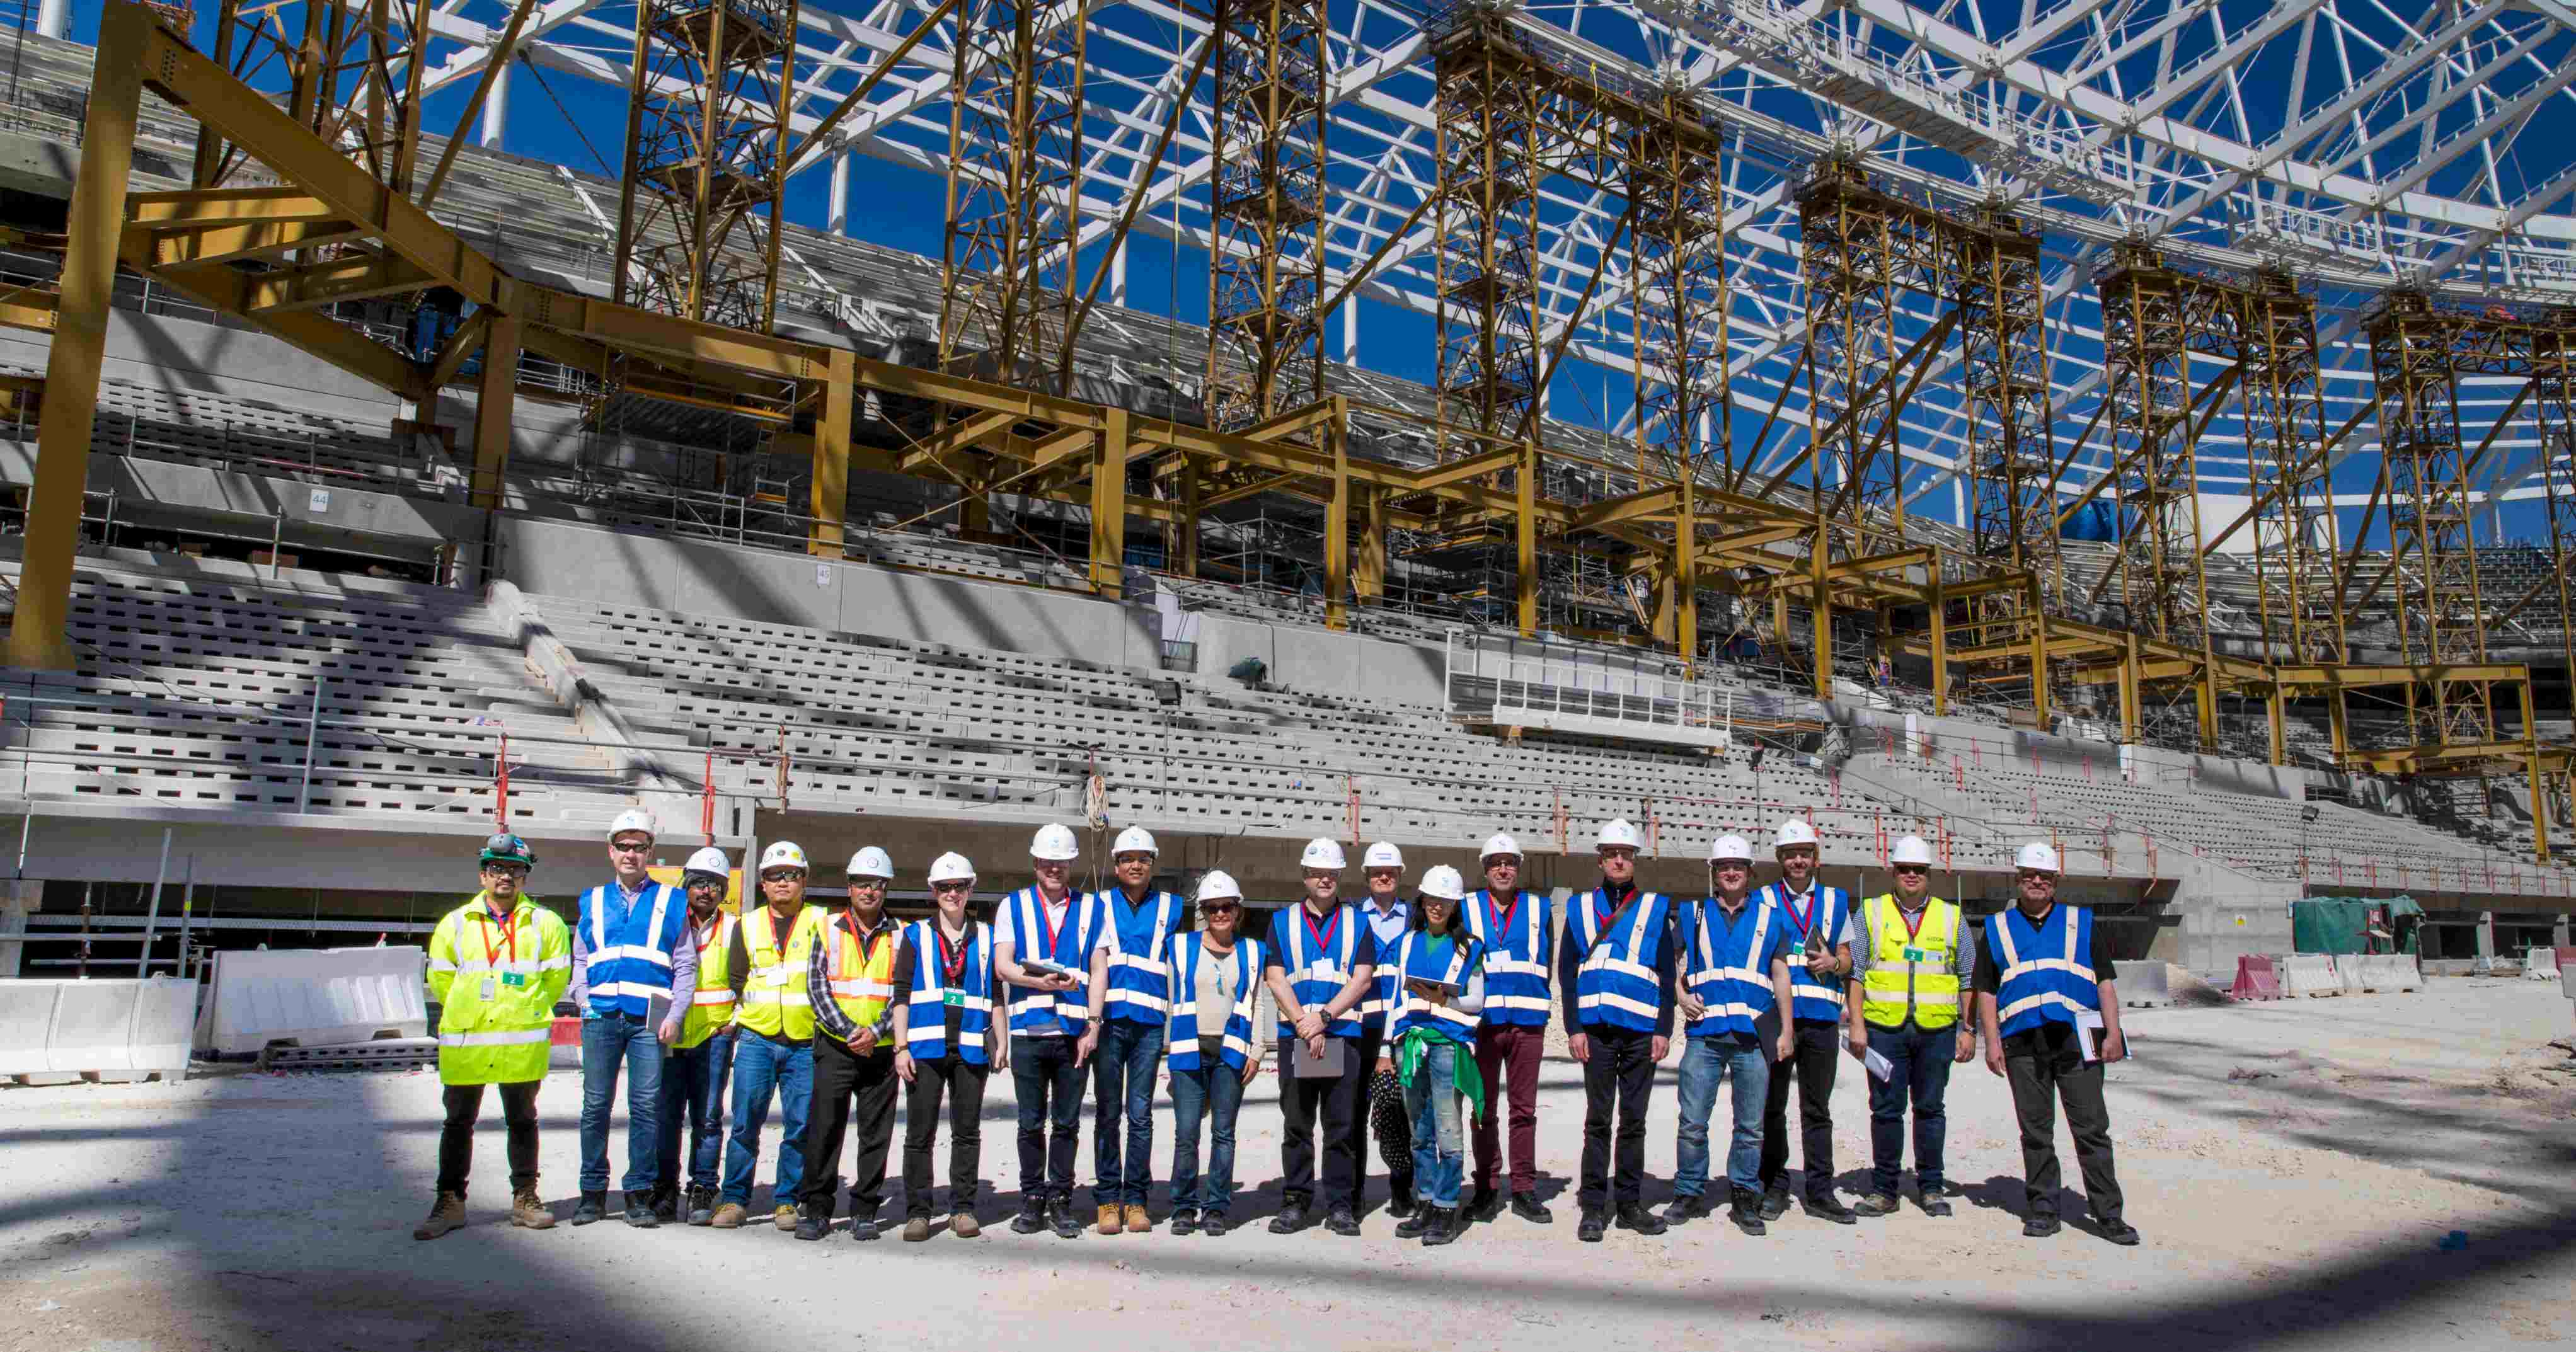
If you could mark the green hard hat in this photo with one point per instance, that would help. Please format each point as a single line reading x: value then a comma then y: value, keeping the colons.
x: 508, y: 849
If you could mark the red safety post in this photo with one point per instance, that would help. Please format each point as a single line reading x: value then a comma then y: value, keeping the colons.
x: 2088, y: 769
x: 1945, y: 842
x: 1977, y: 753
x: 1959, y: 774
x: 1560, y: 819
x: 707, y: 800
x: 501, y: 785
x: 1351, y: 783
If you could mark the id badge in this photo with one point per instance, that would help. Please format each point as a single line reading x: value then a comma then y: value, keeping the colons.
x: 952, y: 998
x: 490, y: 988
x: 514, y: 978
x: 1913, y: 954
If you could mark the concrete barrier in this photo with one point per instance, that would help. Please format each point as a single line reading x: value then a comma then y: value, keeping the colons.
x: 2145, y: 985
x: 2256, y: 978
x: 2309, y: 974
x: 2348, y: 970
x: 56, y: 1031
x: 2540, y: 964
x: 2386, y: 972
x: 313, y: 997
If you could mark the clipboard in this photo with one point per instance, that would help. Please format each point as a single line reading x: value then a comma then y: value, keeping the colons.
x: 1054, y: 968
x: 1305, y: 1065
x: 2088, y: 1034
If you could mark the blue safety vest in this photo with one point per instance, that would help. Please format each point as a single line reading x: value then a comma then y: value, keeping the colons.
x: 1140, y: 982
x: 630, y: 957
x: 1036, y: 1010
x: 1729, y: 966
x: 926, y: 1007
x: 1184, y: 954
x: 1319, y: 959
x: 1382, y: 994
x: 1616, y: 982
x: 1413, y: 959
x: 1517, y: 976
x: 2047, y: 969
x: 1827, y: 909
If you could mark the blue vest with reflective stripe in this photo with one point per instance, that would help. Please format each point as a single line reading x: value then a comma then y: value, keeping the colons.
x: 1809, y: 997
x: 1413, y: 959
x: 1317, y: 975
x: 1616, y: 983
x: 1723, y: 965
x: 1140, y: 982
x: 1184, y: 953
x: 1034, y: 1009
x: 926, y: 1006
x: 2046, y: 971
x: 1517, y: 973
x: 630, y: 958
x: 1383, y: 992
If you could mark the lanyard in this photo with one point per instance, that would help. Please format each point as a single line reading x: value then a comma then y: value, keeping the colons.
x: 868, y: 945
x: 509, y: 935
x: 1806, y: 922
x: 1914, y: 922
x: 1323, y: 938
x: 1054, y: 924
x: 952, y: 962
x: 1503, y: 930
x: 1603, y: 912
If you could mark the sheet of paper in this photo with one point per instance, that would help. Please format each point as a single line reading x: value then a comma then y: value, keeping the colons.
x: 2088, y: 1033
x: 1879, y: 1066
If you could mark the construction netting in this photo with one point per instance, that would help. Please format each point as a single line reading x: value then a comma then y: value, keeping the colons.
x: 2355, y: 924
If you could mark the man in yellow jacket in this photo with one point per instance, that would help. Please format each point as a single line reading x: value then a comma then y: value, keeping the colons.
x: 1915, y: 960
x: 497, y: 965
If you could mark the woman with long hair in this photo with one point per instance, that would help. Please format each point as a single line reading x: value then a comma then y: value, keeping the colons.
x: 1440, y: 992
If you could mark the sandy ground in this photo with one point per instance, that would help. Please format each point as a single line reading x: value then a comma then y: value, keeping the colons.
x: 2371, y: 1171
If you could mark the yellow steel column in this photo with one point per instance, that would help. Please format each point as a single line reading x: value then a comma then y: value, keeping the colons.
x: 494, y: 398
x: 2131, y: 693
x: 830, y: 494
x: 2539, y: 787
x: 1821, y: 612
x: 2336, y: 730
x: 1185, y: 549
x: 2280, y: 730
x: 1686, y: 575
x: 2205, y: 694
x: 39, y: 632
x: 1109, y: 505
x: 2038, y: 656
x: 1525, y: 517
x: 1337, y: 534
x: 1368, y: 571
x: 1940, y: 643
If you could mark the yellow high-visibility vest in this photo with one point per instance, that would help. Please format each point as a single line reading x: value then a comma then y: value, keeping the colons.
x: 1910, y: 975
x: 496, y: 982
x: 774, y: 1003
x: 713, y: 1004
x: 863, y: 980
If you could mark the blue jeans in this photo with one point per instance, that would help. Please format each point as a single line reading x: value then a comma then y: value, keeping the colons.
x: 1439, y: 1139
x: 1214, y: 1090
x: 1049, y: 1088
x: 693, y: 1096
x: 606, y: 1040
x: 1122, y: 1072
x: 761, y: 1066
x: 1706, y: 1063
x: 1918, y: 1069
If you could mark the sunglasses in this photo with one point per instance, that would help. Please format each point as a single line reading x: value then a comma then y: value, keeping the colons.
x: 2030, y: 876
x: 1913, y: 868
x: 645, y: 848
x: 507, y: 870
x: 1218, y: 908
x: 952, y: 887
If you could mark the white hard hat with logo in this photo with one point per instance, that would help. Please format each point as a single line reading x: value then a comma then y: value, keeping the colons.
x: 1321, y: 853
x: 1794, y: 831
x: 951, y: 867
x: 710, y: 861
x: 1382, y: 855
x: 1134, y: 840
x: 2037, y: 855
x: 1054, y: 844
x: 1617, y: 831
x: 783, y: 854
x: 1731, y: 847
x: 1218, y: 885
x: 871, y: 862
x: 1500, y: 843
x: 1911, y: 850
x: 1440, y: 880
x: 635, y: 819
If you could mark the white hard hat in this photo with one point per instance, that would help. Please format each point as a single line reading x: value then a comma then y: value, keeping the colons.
x: 1500, y: 843
x: 1055, y: 844
x: 871, y: 862
x: 1617, y: 831
x: 1911, y: 850
x: 951, y: 867
x: 1731, y: 847
x: 1382, y: 855
x: 1134, y: 839
x: 783, y: 854
x: 1321, y: 853
x: 1794, y: 831
x: 1440, y: 880
x: 635, y: 819
x: 709, y: 860
x: 2037, y: 855
x: 1217, y: 883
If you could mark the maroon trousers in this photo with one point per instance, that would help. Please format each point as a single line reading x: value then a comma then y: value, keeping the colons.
x: 1507, y: 1056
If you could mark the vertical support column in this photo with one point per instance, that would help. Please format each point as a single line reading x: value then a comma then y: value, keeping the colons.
x: 2539, y: 786
x: 1185, y: 548
x: 496, y: 110
x: 1337, y: 532
x: 1109, y: 506
x: 2132, y: 682
x: 829, y: 498
x: 495, y: 397
x: 1368, y: 572
x: 54, y: 20
x: 1940, y: 643
x: 2280, y: 733
x: 2038, y: 652
x: 1525, y: 538
x: 19, y: 898
x: 1686, y: 571
x: 2338, y: 731
x: 38, y: 632
x: 837, y: 220
x: 2205, y: 695
x: 1820, y: 611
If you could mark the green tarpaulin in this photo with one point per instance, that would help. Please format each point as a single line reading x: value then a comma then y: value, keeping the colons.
x: 2342, y: 925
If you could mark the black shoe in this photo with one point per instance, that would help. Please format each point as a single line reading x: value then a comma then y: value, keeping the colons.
x: 1060, y: 1215
x: 1933, y: 1203
x: 1590, y: 1228
x: 2041, y: 1226
x: 593, y: 1209
x: 1745, y: 1209
x: 2121, y: 1233
x: 1291, y: 1218
x: 1030, y: 1220
x: 862, y: 1228
x: 1485, y: 1206
x: 811, y: 1223
x: 1829, y: 1207
x: 1527, y: 1206
x: 1399, y: 1206
x: 639, y: 1211
x: 666, y: 1204
x: 1775, y: 1202
x: 1214, y: 1224
x: 1684, y: 1210
x: 1635, y: 1216
x: 1443, y: 1228
x: 1876, y: 1204
x: 1184, y: 1222
x: 702, y: 1206
x: 1416, y: 1225
x: 1341, y: 1221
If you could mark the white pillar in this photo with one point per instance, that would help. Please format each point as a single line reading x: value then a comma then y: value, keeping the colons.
x: 17, y: 900
x: 1118, y: 274
x: 1351, y: 331
x: 496, y: 111
x: 54, y: 19
x: 1959, y: 500
x: 839, y: 223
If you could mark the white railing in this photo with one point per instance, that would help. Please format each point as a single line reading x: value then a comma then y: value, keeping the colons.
x: 1507, y: 680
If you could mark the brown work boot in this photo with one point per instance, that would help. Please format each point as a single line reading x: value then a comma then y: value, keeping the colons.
x: 784, y: 1218
x: 963, y: 1225
x: 916, y: 1230
x: 447, y: 1213
x: 1109, y: 1218
x: 729, y: 1216
x: 528, y: 1213
x: 1137, y: 1221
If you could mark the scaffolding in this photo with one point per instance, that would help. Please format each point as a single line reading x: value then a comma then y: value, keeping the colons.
x: 2433, y: 563
x: 1267, y: 207
x: 1015, y: 150
x: 2154, y: 320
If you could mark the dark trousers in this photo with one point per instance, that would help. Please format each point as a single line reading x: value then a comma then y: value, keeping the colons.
x: 1918, y: 1063
x: 1817, y: 1047
x: 456, y: 1135
x: 2043, y: 1067
x: 1616, y: 1080
x: 1382, y: 1112
x: 1123, y: 1069
x: 1508, y: 1056
x: 962, y: 1085
x: 1049, y: 1087
x: 843, y: 1078
x: 1337, y: 1098
x: 693, y: 1097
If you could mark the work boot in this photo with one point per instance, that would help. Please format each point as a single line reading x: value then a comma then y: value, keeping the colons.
x: 863, y: 1228
x: 1138, y: 1222
x: 593, y: 1208
x: 639, y: 1211
x: 1826, y: 1206
x: 1214, y: 1224
x: 1110, y: 1221
x: 1342, y: 1221
x: 729, y: 1216
x: 1060, y: 1215
x: 916, y: 1230
x: 1399, y: 1198
x: 964, y: 1225
x: 1184, y: 1221
x: 2041, y: 1225
x: 1932, y: 1202
x: 527, y: 1212
x: 1527, y: 1206
x: 702, y: 1205
x: 783, y: 1216
x: 1590, y: 1228
x: 1684, y: 1210
x: 445, y: 1214
x: 1484, y: 1205
x: 811, y: 1225
x: 2119, y: 1232
x: 1775, y: 1201
x: 666, y: 1204
x: 1876, y: 1204
x: 1032, y: 1218
x: 1291, y: 1217
x: 1745, y: 1209
x: 1635, y: 1216
x: 1443, y: 1227
x: 1416, y: 1225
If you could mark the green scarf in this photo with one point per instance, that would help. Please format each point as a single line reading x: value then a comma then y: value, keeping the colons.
x: 1411, y: 1048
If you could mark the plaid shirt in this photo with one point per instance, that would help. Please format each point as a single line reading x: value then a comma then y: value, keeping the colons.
x: 829, y: 1017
